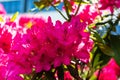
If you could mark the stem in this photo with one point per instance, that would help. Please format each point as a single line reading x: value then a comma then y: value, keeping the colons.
x: 76, y: 68
x: 92, y: 67
x: 99, y: 12
x: 57, y: 10
x: 98, y: 74
x: 60, y: 72
x: 78, y: 7
x: 67, y: 10
x: 82, y: 65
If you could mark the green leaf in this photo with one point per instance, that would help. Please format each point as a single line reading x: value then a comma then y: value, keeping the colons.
x: 85, y: 2
x: 14, y: 17
x: 93, y: 77
x: 96, y: 60
x: 104, y: 59
x: 101, y: 43
x: 106, y: 49
x: 43, y: 4
x: 115, y: 43
x: 96, y: 37
x: 100, y: 59
x: 68, y: 5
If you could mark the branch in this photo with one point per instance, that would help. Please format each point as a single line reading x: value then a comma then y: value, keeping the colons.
x: 78, y: 7
x: 57, y: 10
x: 67, y: 10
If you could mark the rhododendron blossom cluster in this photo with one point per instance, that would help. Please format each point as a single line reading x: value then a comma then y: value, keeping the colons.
x: 43, y: 45
x: 84, y: 47
x: 109, y: 4
x: 110, y: 71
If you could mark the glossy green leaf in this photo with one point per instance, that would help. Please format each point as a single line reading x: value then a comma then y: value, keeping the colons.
x: 43, y: 4
x: 101, y: 44
x: 115, y: 43
x: 99, y: 59
x: 96, y: 60
x: 68, y: 5
x: 93, y: 77
x: 96, y: 37
x: 81, y: 1
x: 106, y: 49
x: 104, y: 59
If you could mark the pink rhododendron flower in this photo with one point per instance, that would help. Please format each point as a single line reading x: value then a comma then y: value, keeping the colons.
x: 35, y: 54
x: 88, y: 14
x: 15, y: 77
x: 3, y: 64
x: 70, y: 36
x: 85, y: 43
x: 13, y: 61
x: 19, y: 61
x: 109, y: 4
x: 110, y: 72
x: 5, y: 40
